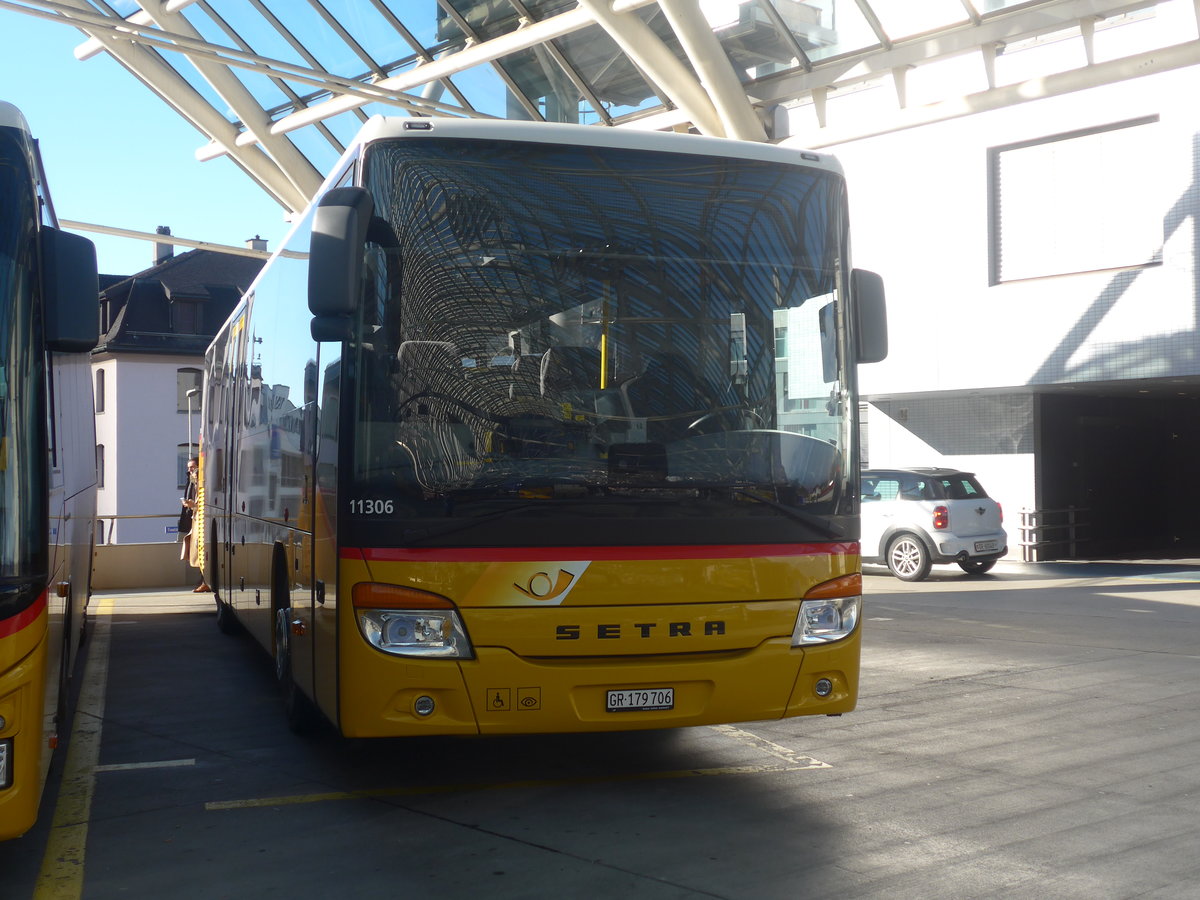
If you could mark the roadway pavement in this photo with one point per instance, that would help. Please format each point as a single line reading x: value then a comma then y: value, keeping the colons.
x: 1029, y: 732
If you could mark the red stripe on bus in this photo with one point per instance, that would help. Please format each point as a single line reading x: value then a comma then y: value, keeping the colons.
x: 536, y: 554
x: 24, y: 618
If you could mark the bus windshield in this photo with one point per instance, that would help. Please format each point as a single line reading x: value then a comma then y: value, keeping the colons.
x: 22, y: 380
x: 582, y: 324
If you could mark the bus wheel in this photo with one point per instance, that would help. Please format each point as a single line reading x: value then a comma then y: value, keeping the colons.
x: 908, y: 558
x: 302, y: 717
x: 227, y: 622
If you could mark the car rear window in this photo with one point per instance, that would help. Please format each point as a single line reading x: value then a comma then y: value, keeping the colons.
x: 906, y: 487
x: 962, y: 487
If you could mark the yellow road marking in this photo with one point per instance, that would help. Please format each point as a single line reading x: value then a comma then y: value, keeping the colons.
x: 61, y: 876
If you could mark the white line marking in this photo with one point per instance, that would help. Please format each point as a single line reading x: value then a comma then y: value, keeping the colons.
x: 157, y: 764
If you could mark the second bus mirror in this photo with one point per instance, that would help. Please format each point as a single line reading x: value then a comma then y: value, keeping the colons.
x: 71, y: 290
x: 870, y: 316
x: 335, y: 262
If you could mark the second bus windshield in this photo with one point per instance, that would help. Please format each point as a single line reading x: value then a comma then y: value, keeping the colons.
x: 561, y: 320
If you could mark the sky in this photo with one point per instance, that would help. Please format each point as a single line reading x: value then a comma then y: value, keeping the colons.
x: 117, y: 155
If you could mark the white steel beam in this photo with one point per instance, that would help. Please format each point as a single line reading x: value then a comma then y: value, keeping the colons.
x: 966, y: 38
x: 92, y: 46
x: 452, y: 63
x: 1151, y: 62
x: 716, y: 72
x: 176, y: 240
x: 174, y: 90
x: 291, y: 162
x: 658, y: 64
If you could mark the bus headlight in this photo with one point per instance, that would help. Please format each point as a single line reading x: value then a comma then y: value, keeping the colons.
x: 6, y: 763
x: 408, y: 622
x: 829, y: 612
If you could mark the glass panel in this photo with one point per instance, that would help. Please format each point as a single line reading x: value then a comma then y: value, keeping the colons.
x: 615, y: 82
x: 22, y: 385
x: 542, y: 79
x: 306, y: 24
x: 370, y: 29
x: 183, y: 453
x: 256, y: 31
x: 827, y: 28
x: 904, y: 18
x: 748, y: 32
x: 187, y: 380
x: 578, y: 322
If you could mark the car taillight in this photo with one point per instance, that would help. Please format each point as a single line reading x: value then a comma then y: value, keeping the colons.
x: 1001, y: 508
x: 941, y: 518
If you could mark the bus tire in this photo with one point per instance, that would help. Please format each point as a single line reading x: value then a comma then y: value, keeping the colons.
x: 227, y: 622
x: 301, y: 714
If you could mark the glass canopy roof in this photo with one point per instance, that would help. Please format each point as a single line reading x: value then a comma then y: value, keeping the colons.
x: 281, y: 86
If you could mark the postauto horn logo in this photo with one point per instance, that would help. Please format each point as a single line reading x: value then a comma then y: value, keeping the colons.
x: 547, y: 587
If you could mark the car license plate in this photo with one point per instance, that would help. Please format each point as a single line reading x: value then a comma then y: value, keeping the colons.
x: 985, y: 546
x: 635, y: 699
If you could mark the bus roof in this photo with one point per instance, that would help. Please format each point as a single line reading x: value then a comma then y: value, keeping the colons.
x: 380, y: 128
x: 10, y: 117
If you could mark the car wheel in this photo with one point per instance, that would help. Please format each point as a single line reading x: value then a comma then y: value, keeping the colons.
x: 908, y: 558
x: 976, y: 566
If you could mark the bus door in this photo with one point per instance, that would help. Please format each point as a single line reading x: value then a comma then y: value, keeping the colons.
x: 237, y: 384
x: 324, y: 475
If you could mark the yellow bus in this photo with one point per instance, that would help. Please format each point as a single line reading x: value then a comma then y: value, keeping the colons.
x: 537, y: 428
x: 48, y: 322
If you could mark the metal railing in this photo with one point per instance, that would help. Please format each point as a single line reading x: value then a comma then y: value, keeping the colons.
x: 104, y: 533
x: 1044, y: 528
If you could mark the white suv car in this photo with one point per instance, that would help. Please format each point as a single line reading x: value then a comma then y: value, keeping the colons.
x: 913, y: 518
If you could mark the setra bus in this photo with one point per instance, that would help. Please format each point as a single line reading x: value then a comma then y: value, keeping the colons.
x: 48, y: 323
x: 567, y: 443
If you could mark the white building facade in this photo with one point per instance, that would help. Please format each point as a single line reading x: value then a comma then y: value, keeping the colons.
x: 147, y: 373
x: 1040, y: 266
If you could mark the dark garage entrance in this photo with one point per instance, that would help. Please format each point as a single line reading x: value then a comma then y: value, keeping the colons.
x: 1129, y: 460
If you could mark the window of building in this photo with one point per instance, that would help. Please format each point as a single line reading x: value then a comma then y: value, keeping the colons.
x: 99, y: 390
x: 185, y: 317
x: 99, y: 465
x: 183, y: 453
x: 187, y: 380
x: 1077, y: 202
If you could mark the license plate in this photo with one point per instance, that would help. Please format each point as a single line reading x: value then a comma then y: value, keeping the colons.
x: 636, y: 699
x: 985, y: 546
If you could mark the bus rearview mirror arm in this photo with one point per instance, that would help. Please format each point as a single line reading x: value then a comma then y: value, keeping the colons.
x: 339, y: 233
x: 870, y: 316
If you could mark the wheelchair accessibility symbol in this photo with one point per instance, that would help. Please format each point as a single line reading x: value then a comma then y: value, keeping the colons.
x: 501, y: 699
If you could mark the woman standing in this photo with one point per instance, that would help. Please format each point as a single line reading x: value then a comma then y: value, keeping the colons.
x: 189, y: 549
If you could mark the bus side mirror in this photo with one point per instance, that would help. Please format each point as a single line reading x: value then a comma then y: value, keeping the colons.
x: 335, y: 263
x: 70, y: 291
x: 870, y: 316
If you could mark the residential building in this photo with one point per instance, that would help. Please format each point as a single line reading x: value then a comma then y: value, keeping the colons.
x: 147, y: 368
